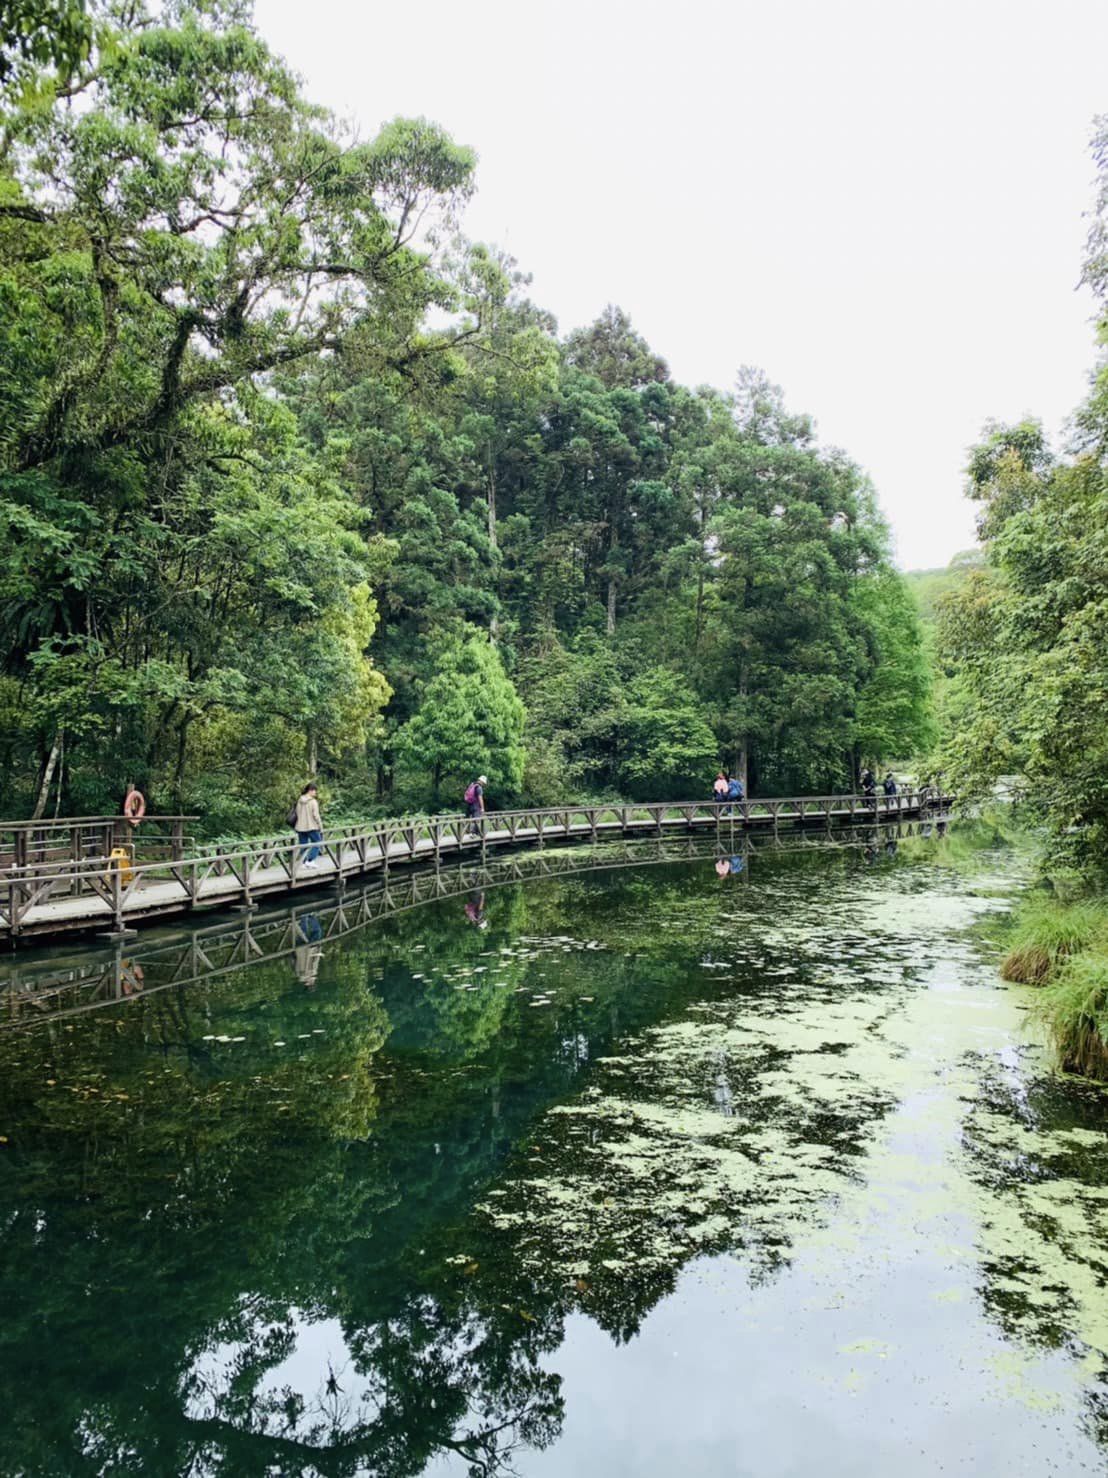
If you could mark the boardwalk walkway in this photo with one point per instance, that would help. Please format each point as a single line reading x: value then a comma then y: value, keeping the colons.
x: 46, y: 899
x: 43, y: 986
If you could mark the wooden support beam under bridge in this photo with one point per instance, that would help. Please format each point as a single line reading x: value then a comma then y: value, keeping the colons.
x: 40, y: 900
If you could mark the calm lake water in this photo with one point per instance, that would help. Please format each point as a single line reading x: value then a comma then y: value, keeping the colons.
x: 706, y: 1166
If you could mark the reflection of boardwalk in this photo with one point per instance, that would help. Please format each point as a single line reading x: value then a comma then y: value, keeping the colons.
x: 36, y: 990
x: 52, y: 898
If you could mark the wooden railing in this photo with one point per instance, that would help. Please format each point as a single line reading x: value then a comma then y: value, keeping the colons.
x: 52, y: 897
x: 34, y: 988
x: 85, y: 838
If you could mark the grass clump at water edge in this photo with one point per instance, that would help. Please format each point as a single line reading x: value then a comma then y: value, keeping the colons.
x: 1049, y: 933
x: 1062, y: 946
x: 1074, y: 1007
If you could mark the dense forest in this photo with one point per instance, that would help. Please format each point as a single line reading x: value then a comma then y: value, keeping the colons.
x: 297, y: 480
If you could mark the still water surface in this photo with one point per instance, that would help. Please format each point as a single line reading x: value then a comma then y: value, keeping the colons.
x: 715, y: 1169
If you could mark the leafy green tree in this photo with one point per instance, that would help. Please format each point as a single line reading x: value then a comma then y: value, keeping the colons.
x: 174, y: 556
x: 785, y: 656
x: 470, y: 722
x: 577, y: 704
x: 612, y: 352
x: 671, y: 751
x: 54, y: 33
x: 894, y: 715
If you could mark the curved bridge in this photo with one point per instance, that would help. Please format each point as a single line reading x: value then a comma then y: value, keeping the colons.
x: 113, y: 894
x: 35, y: 989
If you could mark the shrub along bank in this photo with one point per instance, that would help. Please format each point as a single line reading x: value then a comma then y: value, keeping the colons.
x: 1063, y: 947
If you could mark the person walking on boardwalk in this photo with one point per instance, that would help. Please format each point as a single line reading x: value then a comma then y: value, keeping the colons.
x: 309, y: 825
x: 475, y: 802
x: 889, y: 787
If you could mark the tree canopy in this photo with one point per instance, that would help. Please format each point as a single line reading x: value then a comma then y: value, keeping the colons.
x: 295, y: 479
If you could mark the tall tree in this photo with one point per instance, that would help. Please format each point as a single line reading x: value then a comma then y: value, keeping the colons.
x: 470, y: 722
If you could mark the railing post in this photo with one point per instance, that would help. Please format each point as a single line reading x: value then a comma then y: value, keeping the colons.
x: 117, y: 894
x: 14, y: 910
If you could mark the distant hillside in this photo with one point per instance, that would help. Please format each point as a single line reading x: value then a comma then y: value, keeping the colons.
x: 928, y: 586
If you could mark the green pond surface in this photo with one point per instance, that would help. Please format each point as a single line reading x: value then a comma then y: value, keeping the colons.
x: 699, y: 1166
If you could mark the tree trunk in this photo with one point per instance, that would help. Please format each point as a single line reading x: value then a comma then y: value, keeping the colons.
x: 742, y: 753
x: 313, y: 754
x: 613, y: 550
x: 492, y: 500
x: 46, y: 778
x: 179, y: 767
x: 494, y: 624
x: 61, y: 777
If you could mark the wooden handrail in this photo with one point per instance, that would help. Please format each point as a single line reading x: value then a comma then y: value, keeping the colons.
x: 66, y: 823
x: 58, y: 989
x: 221, y: 874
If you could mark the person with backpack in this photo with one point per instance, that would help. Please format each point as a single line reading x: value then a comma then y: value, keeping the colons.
x: 475, y: 801
x: 889, y: 787
x: 308, y: 824
x: 735, y: 789
x: 869, y: 786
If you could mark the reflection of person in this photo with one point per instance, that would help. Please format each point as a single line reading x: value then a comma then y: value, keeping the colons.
x: 134, y: 804
x: 737, y: 865
x: 723, y: 867
x: 475, y: 911
x: 132, y: 977
x: 309, y: 952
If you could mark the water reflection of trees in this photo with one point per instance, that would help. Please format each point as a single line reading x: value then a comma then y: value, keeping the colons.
x: 179, y: 1211
x: 1037, y: 1152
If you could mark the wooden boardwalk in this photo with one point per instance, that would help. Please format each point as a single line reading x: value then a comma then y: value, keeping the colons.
x: 38, y: 987
x: 42, y: 900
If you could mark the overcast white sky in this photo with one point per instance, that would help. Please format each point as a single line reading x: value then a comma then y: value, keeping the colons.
x: 883, y: 205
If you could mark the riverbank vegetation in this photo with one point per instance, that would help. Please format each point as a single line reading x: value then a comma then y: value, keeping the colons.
x: 286, y: 459
x: 1023, y: 639
x: 1061, y: 945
